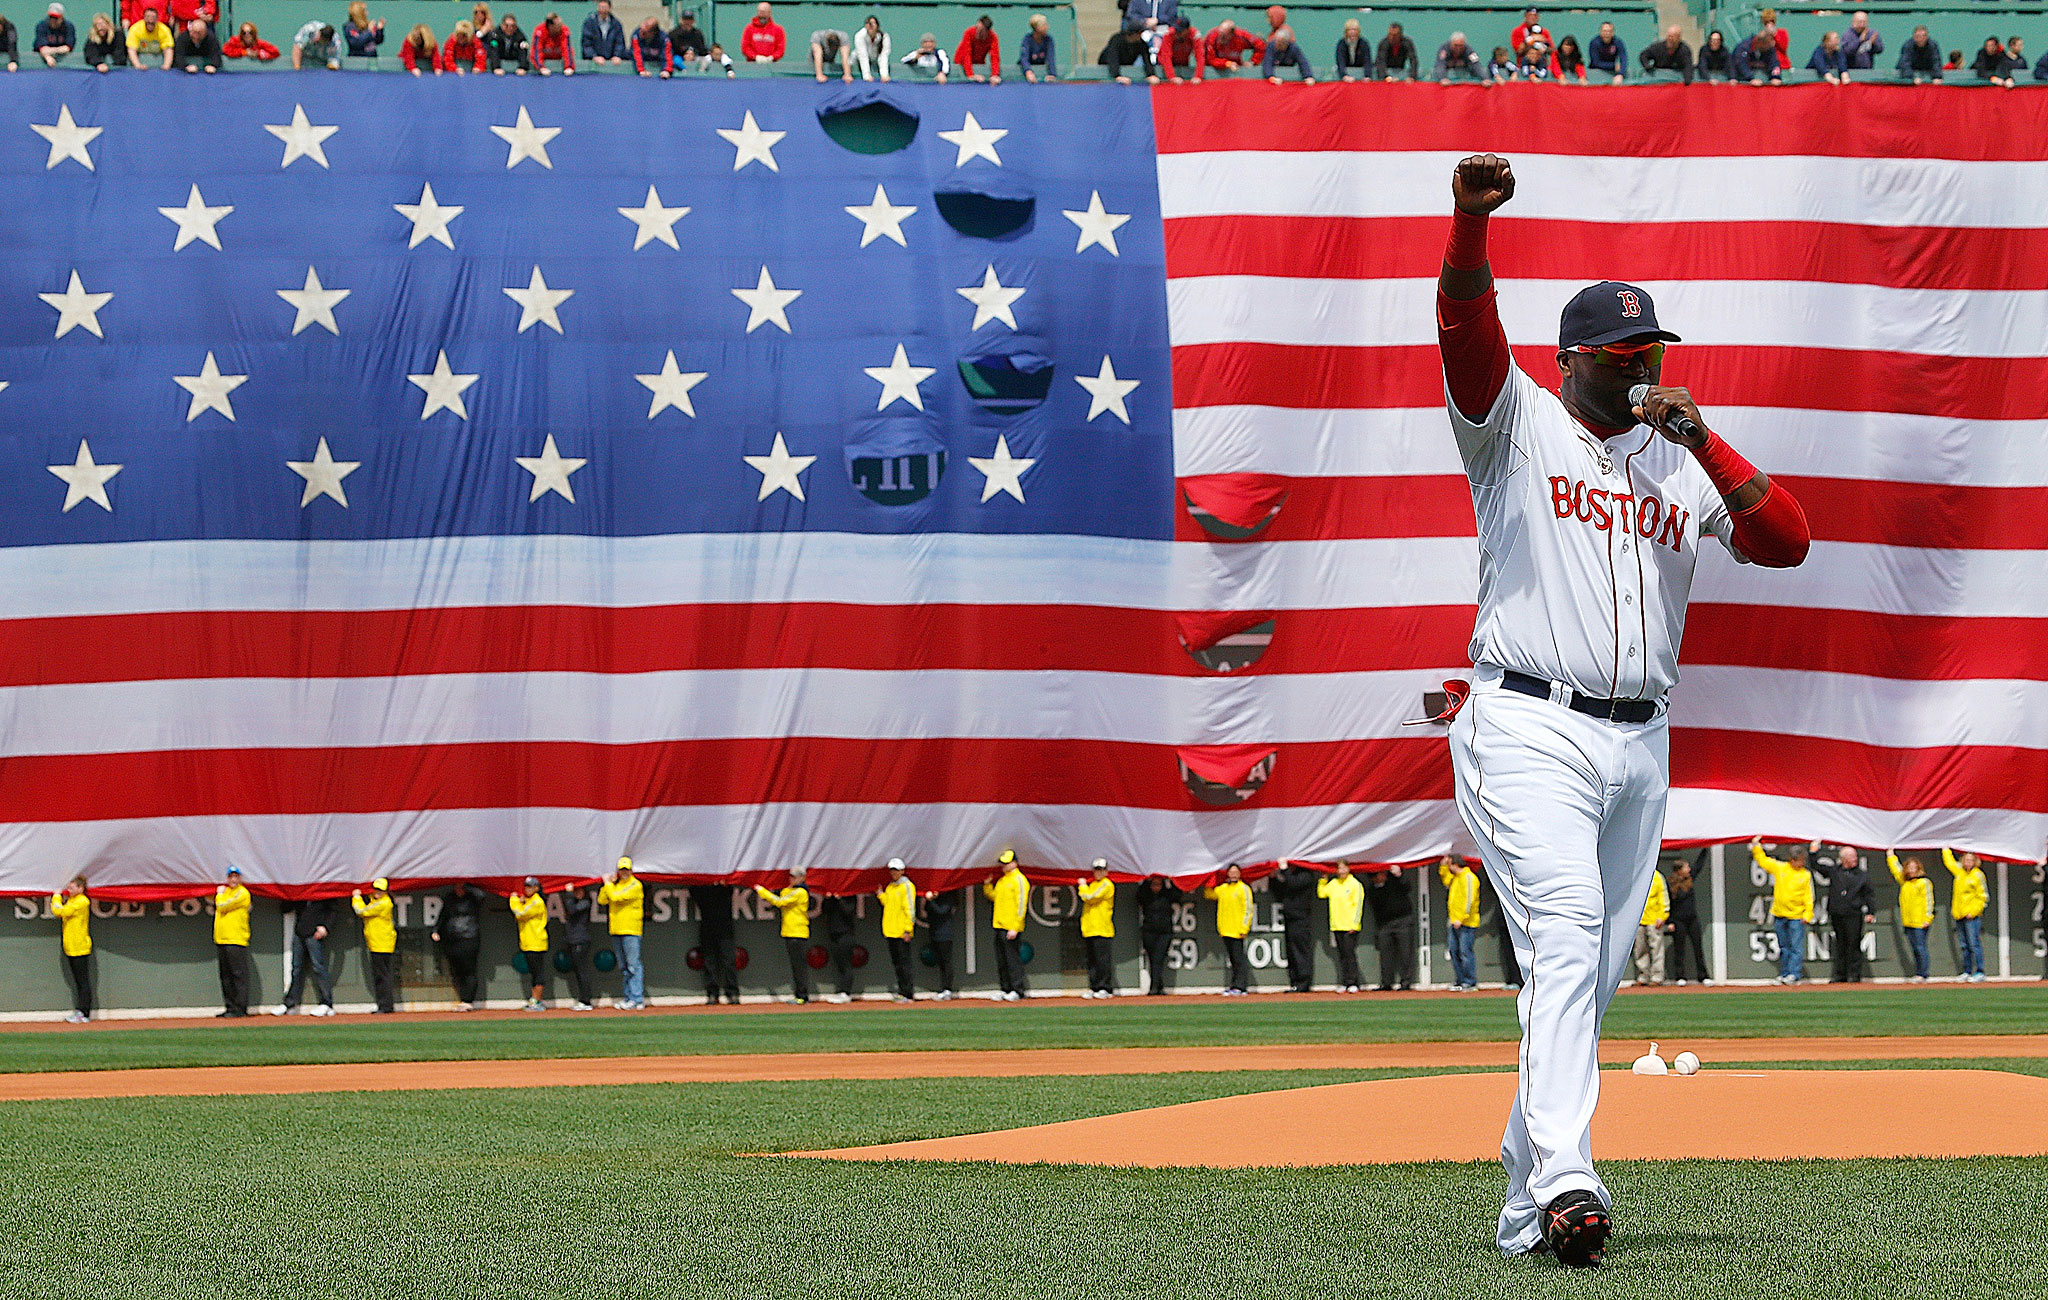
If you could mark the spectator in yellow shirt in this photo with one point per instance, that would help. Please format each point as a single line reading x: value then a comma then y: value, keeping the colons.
x: 1347, y: 916
x: 1916, y: 908
x: 1791, y: 906
x: 73, y: 908
x: 794, y: 903
x: 1011, y: 894
x: 1966, y: 905
x: 231, y: 944
x: 530, y: 909
x: 624, y: 897
x: 150, y: 39
x: 1650, y: 933
x: 899, y: 922
x: 1233, y: 899
x: 1463, y: 912
x: 380, y: 936
x: 1098, y: 928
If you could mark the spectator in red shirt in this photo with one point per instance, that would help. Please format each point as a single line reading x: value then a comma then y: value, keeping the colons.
x: 1569, y: 60
x: 464, y: 53
x: 551, y: 41
x: 651, y: 53
x: 1225, y: 49
x: 418, y: 52
x: 1532, y: 26
x: 246, y: 44
x: 764, y: 41
x: 1181, y: 48
x: 1769, y: 19
x: 979, y: 44
x: 184, y: 11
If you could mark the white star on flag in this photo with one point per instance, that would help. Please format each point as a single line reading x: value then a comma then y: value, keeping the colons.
x: 323, y: 475
x: 551, y: 471
x: 653, y: 221
x: 991, y: 300
x: 1106, y: 392
x: 196, y: 220
x: 974, y: 141
x: 84, y: 480
x: 899, y: 379
x: 766, y: 303
x: 537, y: 303
x: 671, y: 388
x: 209, y: 389
x: 880, y: 219
x: 444, y: 388
x: 77, y: 309
x: 1098, y: 225
x: 1002, y: 470
x: 526, y: 140
x: 315, y: 304
x: 301, y: 138
x: 779, y: 471
x: 67, y: 138
x: 429, y: 218
x: 752, y: 144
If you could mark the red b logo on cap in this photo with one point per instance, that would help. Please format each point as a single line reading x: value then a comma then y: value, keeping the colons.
x: 1629, y: 305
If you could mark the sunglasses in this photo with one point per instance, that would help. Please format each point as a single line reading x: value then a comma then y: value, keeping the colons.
x: 1619, y: 356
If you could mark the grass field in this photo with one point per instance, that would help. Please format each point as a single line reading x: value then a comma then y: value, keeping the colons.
x: 644, y: 1191
x: 639, y: 1192
x: 1132, y: 1022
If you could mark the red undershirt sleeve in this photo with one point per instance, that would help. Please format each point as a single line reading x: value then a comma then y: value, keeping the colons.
x: 1773, y: 532
x: 1474, y: 347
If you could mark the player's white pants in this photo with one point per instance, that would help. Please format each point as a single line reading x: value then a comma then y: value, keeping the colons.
x: 1568, y: 811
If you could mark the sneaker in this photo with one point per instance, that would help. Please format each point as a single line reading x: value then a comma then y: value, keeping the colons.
x: 534, y: 1004
x: 321, y: 1010
x: 1575, y: 1228
x: 586, y: 1006
x: 839, y: 997
x: 944, y: 995
x: 898, y: 997
x: 282, y: 1011
x: 1012, y: 996
x: 77, y: 1018
x: 472, y: 1006
x: 1919, y: 979
x: 1681, y: 983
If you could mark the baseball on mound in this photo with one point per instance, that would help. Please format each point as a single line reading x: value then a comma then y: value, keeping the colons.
x: 1686, y: 1063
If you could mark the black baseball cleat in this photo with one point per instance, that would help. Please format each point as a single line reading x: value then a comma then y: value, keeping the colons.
x: 1575, y: 1229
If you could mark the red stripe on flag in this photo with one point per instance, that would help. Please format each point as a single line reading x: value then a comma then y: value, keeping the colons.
x: 797, y: 769
x: 1828, y: 379
x: 1864, y: 776
x: 1854, y: 121
x: 1880, y: 512
x: 1905, y: 647
x: 1411, y: 248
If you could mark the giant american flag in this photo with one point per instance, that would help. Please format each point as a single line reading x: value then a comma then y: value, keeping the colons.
x: 473, y: 477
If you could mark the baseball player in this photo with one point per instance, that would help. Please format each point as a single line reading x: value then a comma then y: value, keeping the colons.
x: 1591, y: 505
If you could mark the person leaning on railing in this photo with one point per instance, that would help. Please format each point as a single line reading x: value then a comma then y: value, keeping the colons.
x: 1456, y: 59
x: 1037, y: 57
x: 103, y: 46
x: 1671, y: 54
x: 506, y: 45
x: 1396, y: 56
x: 871, y: 50
x: 247, y: 44
x: 1920, y: 58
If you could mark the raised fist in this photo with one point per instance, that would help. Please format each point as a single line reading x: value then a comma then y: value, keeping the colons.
x: 1482, y: 183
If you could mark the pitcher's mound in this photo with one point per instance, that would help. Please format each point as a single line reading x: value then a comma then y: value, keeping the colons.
x: 1716, y: 1115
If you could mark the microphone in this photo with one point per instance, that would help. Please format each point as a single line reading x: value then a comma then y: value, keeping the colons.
x: 1680, y: 424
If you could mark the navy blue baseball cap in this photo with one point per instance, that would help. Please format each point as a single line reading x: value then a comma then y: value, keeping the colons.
x: 1609, y: 312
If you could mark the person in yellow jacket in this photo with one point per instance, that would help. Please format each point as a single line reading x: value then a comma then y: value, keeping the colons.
x: 231, y: 944
x: 380, y: 936
x: 530, y: 909
x: 1233, y: 899
x: 1966, y: 906
x: 1011, y: 894
x: 1651, y: 933
x: 624, y: 897
x: 150, y: 41
x: 1791, y: 906
x: 1916, y: 908
x: 1347, y: 914
x: 794, y: 903
x: 1462, y: 909
x: 1098, y: 928
x: 73, y: 908
x: 899, y: 921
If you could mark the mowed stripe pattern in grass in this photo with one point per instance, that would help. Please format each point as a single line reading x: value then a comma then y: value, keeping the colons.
x: 1149, y: 1022
x: 640, y: 1192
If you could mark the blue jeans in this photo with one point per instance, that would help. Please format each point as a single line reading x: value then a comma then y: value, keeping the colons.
x: 1970, y: 937
x: 1464, y: 966
x: 629, y: 967
x: 1791, y: 946
x: 1916, y: 939
x: 309, y: 955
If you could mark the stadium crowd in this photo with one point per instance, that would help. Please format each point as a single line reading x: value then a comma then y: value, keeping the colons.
x: 1310, y: 902
x: 1154, y: 41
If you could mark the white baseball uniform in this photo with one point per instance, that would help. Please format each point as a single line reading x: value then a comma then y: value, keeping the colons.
x: 1586, y: 555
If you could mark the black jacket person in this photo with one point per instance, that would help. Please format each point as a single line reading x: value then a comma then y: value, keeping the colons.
x: 1294, y: 888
